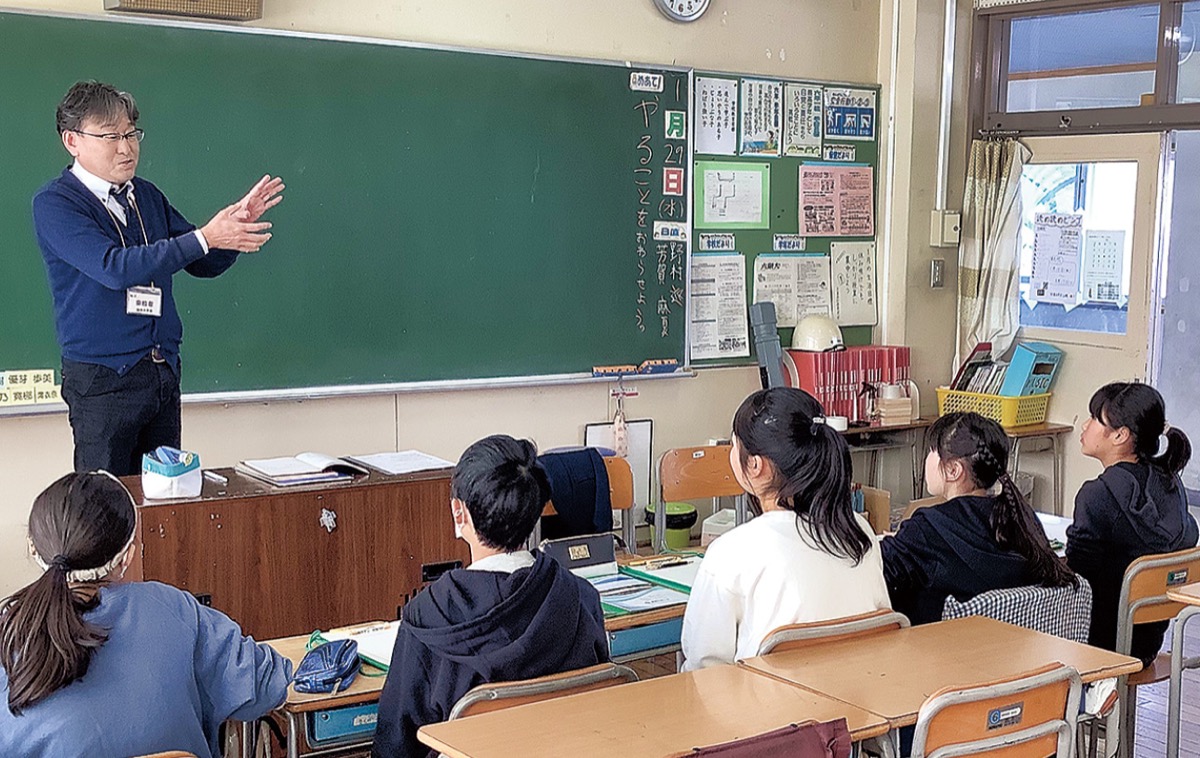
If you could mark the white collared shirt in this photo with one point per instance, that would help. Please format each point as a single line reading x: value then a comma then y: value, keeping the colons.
x: 504, y: 563
x: 102, y: 189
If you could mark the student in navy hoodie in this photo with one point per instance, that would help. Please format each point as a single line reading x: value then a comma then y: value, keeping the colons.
x: 1136, y: 507
x: 512, y: 614
x: 111, y: 243
x: 975, y: 541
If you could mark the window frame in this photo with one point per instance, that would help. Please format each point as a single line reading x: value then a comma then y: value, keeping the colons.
x: 989, y: 77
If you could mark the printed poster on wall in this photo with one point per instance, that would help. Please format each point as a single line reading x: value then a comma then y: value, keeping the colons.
x: 716, y: 116
x: 718, y: 296
x: 761, y: 117
x: 734, y: 195
x: 1057, y: 239
x: 802, y: 118
x: 797, y: 283
x: 1103, y: 265
x: 850, y: 114
x: 854, y: 293
x: 837, y: 200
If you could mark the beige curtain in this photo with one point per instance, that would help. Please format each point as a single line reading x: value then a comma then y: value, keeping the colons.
x: 988, y: 275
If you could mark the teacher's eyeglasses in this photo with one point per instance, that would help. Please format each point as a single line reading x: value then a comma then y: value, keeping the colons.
x: 137, y: 135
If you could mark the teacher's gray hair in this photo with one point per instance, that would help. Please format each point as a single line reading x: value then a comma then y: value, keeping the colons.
x: 96, y: 100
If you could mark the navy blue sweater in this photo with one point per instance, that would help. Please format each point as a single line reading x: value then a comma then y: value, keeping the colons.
x: 473, y: 627
x: 948, y: 549
x: 89, y: 271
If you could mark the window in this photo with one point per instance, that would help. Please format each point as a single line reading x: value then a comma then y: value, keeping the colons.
x: 1077, y: 245
x: 1187, y: 88
x: 1094, y: 59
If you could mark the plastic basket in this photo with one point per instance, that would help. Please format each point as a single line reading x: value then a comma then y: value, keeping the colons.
x: 1008, y: 411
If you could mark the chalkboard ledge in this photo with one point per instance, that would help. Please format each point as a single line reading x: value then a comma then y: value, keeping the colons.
x: 398, y: 388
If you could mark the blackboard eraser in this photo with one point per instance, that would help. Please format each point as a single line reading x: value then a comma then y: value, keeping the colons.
x: 614, y: 371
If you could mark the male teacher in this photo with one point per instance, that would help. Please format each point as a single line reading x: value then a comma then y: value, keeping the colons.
x: 111, y: 243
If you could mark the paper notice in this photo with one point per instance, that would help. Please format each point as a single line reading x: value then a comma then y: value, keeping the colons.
x: 803, y: 108
x: 1057, y: 239
x: 716, y: 116
x: 854, y: 294
x: 718, y: 298
x: 761, y: 117
x: 1103, y: 265
x: 798, y: 285
x: 837, y: 201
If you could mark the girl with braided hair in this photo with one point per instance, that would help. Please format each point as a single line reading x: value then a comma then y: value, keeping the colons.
x: 1136, y: 507
x: 975, y: 541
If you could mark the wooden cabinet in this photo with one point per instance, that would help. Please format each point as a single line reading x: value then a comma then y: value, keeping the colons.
x: 287, y: 561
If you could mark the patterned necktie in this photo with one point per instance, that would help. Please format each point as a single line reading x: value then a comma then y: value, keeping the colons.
x: 121, y: 195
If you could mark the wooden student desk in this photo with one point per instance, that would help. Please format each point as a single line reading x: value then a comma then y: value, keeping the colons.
x: 261, y: 554
x: 891, y: 674
x: 670, y: 714
x: 298, y: 705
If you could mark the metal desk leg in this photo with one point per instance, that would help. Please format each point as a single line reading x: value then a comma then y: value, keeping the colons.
x: 1176, y: 691
x: 739, y: 510
x: 249, y: 733
x: 293, y: 737
x: 1014, y: 455
x: 1056, y: 444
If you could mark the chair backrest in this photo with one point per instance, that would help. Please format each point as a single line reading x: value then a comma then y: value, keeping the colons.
x: 794, y: 636
x: 1030, y: 715
x: 620, y: 482
x: 810, y: 739
x: 500, y: 695
x: 1062, y: 611
x: 1144, y: 590
x: 688, y: 473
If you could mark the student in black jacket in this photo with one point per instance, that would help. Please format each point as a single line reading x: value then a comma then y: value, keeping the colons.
x: 1136, y: 507
x: 973, y: 542
x: 513, y: 614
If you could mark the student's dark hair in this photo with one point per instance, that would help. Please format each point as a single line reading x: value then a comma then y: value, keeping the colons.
x: 80, y: 522
x: 96, y: 100
x: 811, y: 462
x: 1140, y: 408
x: 982, y: 447
x: 504, y: 488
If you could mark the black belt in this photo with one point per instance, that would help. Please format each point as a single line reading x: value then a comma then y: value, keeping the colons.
x: 156, y: 355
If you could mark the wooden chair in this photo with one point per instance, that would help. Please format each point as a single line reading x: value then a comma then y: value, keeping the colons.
x: 795, y: 636
x: 1143, y: 600
x: 500, y: 695
x: 1031, y: 715
x: 692, y: 473
x: 620, y: 491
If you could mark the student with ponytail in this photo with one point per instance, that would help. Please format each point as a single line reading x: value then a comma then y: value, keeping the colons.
x: 92, y: 665
x: 805, y: 557
x: 1137, y: 506
x: 975, y: 541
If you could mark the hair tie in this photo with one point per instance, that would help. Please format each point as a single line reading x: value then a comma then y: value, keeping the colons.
x: 1163, y: 444
x: 61, y: 562
x: 817, y: 422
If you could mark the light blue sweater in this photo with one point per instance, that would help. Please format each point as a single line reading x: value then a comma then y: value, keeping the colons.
x: 171, y: 671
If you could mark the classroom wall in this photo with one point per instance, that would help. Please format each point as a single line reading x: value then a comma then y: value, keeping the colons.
x: 849, y: 40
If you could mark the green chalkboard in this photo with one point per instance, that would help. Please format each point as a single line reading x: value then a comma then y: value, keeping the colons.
x: 448, y: 214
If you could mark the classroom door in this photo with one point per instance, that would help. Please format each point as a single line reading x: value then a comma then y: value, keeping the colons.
x: 1106, y: 189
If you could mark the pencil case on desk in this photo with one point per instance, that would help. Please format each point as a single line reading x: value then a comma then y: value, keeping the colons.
x: 331, y: 667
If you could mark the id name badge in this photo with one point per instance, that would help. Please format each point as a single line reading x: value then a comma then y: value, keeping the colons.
x: 143, y: 301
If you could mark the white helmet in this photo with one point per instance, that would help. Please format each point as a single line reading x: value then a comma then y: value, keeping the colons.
x: 817, y: 334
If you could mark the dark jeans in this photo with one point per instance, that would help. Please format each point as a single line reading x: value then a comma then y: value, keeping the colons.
x: 115, y: 419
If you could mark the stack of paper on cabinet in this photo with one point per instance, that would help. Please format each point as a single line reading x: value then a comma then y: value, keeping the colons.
x: 305, y: 468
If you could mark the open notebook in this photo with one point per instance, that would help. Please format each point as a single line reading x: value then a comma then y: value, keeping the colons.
x: 375, y: 642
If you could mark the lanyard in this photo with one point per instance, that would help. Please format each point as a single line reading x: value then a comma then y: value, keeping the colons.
x: 117, y: 224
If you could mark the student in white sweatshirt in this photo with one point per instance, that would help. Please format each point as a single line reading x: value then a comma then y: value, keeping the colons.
x: 805, y: 557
